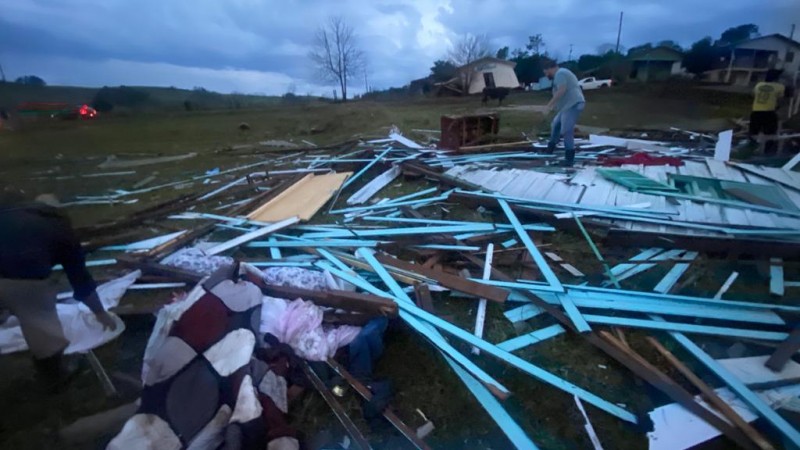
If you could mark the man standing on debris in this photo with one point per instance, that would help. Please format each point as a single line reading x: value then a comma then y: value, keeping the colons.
x: 35, y: 236
x: 568, y: 102
x: 764, y: 117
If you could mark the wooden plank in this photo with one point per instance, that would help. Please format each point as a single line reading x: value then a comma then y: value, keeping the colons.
x: 375, y: 185
x: 686, y: 328
x: 534, y: 337
x: 522, y: 313
x: 712, y: 397
x: 426, y: 329
x: 515, y: 434
x: 480, y: 317
x: 695, y: 168
x: 253, y: 235
x: 726, y: 285
x: 544, y: 268
x: 422, y: 295
x: 449, y: 281
x: 574, y: 315
x: 351, y: 301
x: 675, y: 391
x: 722, y: 171
x: 785, y: 350
x: 751, y: 398
x: 302, y: 199
x: 776, y: 286
x: 637, y: 365
x: 674, y: 274
x: 788, y: 182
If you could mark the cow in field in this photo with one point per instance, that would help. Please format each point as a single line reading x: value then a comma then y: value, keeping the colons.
x: 498, y: 93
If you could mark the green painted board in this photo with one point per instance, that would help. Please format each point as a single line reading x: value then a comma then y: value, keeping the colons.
x: 634, y: 181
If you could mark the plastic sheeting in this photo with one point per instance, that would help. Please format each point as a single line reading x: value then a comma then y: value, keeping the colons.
x: 80, y: 327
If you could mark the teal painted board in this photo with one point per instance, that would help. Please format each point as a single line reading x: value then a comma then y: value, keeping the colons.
x: 523, y: 312
x: 510, y: 428
x: 537, y: 256
x: 425, y: 329
x: 574, y: 315
x: 751, y: 398
x: 688, y: 328
x: 674, y: 274
x: 634, y: 181
x: 489, y: 348
x: 531, y: 338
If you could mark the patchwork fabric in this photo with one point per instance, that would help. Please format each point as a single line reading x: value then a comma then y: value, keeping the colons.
x: 195, y: 260
x: 200, y: 378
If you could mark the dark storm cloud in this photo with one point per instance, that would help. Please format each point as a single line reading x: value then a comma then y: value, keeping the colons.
x: 262, y: 45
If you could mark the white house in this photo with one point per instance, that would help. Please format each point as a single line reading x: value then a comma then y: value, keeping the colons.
x: 749, y: 61
x: 488, y: 72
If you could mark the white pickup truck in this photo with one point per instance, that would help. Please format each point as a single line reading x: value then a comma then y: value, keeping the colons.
x: 590, y: 83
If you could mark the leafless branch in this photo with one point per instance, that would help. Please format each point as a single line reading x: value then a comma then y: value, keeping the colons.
x: 336, y: 54
x: 469, y: 48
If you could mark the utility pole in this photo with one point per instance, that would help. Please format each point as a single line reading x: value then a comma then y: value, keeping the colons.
x: 366, y: 83
x: 570, y: 53
x: 2, y: 75
x: 619, y: 32
x: 791, y: 33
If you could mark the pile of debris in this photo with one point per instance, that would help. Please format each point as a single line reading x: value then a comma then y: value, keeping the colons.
x: 342, y: 262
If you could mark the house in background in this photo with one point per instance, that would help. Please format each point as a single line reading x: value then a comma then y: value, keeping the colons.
x: 749, y: 61
x: 656, y: 64
x: 484, y: 72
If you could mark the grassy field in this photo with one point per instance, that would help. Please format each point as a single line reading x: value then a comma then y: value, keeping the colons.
x: 42, y: 156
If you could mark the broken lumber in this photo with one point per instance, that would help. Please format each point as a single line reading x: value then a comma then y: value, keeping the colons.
x: 712, y: 397
x: 449, y: 281
x: 785, y: 350
x: 351, y: 301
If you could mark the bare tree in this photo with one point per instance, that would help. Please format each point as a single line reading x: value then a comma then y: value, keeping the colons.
x: 469, y: 48
x: 466, y: 50
x: 335, y: 53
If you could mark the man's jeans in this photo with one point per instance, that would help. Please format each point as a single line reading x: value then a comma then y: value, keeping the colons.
x: 565, y: 122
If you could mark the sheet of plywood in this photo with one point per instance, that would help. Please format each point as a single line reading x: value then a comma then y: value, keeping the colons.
x: 303, y: 199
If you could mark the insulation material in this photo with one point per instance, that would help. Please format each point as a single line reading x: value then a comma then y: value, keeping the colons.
x: 80, y: 327
x: 302, y: 199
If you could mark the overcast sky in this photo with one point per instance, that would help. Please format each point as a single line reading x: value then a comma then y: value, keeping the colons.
x: 261, y: 46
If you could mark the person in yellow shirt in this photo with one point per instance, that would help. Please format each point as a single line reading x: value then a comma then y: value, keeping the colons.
x: 764, y: 117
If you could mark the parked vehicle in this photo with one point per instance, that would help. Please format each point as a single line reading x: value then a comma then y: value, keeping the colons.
x: 62, y: 111
x: 593, y: 83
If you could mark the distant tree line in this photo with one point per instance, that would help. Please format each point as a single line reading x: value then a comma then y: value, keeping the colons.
x: 30, y: 80
x: 607, y: 62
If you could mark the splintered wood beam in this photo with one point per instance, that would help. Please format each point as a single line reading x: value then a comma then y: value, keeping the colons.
x: 674, y: 390
x: 749, y: 397
x: 712, y: 397
x: 447, y: 280
x: 784, y: 351
x: 351, y: 301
